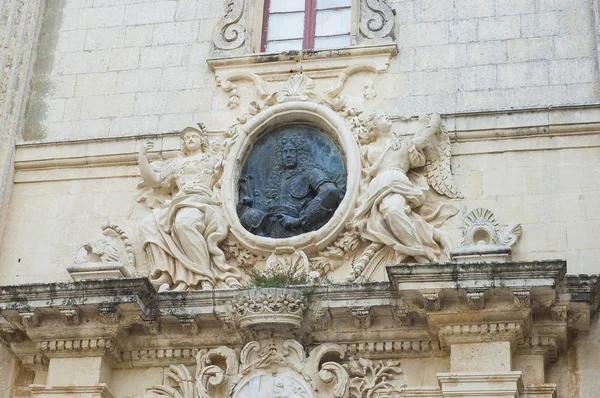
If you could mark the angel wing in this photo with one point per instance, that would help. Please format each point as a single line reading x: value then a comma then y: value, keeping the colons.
x: 437, y: 166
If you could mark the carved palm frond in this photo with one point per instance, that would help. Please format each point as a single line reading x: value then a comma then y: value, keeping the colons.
x: 182, y: 376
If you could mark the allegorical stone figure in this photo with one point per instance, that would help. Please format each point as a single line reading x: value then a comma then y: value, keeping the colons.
x: 181, y: 236
x: 300, y: 195
x: 394, y: 208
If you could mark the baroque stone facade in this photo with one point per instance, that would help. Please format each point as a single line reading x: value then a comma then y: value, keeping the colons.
x: 433, y: 186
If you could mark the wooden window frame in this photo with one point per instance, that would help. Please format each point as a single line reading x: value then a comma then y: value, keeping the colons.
x: 310, y: 23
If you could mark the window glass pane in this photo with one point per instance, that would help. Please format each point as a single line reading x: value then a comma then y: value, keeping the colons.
x: 286, y: 45
x: 332, y: 22
x: 332, y: 42
x: 285, y: 26
x: 332, y: 3
x: 286, y: 5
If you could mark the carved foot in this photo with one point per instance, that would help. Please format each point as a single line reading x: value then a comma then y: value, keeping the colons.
x: 162, y: 283
x: 233, y: 283
x: 206, y: 285
x: 163, y: 288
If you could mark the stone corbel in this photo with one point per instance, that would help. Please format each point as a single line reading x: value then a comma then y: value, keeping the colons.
x: 558, y: 312
x: 229, y: 34
x: 541, y: 345
x: 190, y: 325
x: 522, y: 298
x: 70, y: 315
x: 226, y: 320
x: 109, y: 313
x: 402, y: 317
x: 475, y: 299
x: 30, y: 318
x: 322, y: 319
x: 432, y: 300
x: 362, y: 317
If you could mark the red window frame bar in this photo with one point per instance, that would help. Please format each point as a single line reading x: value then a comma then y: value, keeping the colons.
x: 310, y: 22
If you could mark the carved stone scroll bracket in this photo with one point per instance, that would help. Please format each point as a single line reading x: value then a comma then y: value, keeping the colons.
x: 544, y: 345
x: 339, y: 83
x: 476, y: 299
x: 226, y: 320
x: 362, y: 317
x: 10, y: 334
x: 432, y: 300
x: 376, y: 19
x: 151, y: 325
x: 30, y: 318
x: 229, y: 34
x: 522, y: 298
x: 227, y: 84
x: 70, y: 315
x: 322, y: 319
x: 109, y: 313
x: 190, y: 324
x: 402, y: 317
x: 559, y: 313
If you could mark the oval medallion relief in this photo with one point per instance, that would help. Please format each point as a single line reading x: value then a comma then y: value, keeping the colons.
x: 274, y: 385
x: 291, y: 183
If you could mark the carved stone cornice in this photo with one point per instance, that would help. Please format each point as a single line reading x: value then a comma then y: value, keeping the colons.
x: 127, y: 311
x: 99, y: 390
x: 481, y: 333
x: 479, y: 275
x: 85, y: 347
x: 396, y: 348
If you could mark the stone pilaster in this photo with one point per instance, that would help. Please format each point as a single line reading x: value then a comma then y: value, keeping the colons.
x: 19, y: 22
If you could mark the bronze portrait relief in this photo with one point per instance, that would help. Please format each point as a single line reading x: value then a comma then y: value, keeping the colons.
x: 292, y: 182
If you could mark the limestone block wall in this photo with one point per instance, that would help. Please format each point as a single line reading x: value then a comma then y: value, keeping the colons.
x: 113, y: 68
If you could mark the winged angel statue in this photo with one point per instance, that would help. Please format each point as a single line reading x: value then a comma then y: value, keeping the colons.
x: 395, y: 206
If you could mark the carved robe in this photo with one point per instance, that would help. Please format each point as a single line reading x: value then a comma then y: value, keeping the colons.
x: 384, y: 224
x: 181, y: 237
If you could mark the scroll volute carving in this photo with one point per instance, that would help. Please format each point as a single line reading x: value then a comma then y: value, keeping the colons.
x: 229, y: 33
x: 376, y: 19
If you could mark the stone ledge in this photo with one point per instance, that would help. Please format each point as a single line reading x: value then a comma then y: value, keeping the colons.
x: 478, y: 275
x: 314, y: 63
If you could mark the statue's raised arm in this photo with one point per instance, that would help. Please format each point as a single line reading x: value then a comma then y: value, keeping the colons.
x: 182, y: 234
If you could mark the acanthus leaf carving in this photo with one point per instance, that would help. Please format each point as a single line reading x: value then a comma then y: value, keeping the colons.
x: 376, y: 19
x: 369, y: 379
x: 229, y: 34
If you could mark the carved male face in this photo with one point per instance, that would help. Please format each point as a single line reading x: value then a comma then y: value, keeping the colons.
x: 290, y: 156
x: 192, y: 140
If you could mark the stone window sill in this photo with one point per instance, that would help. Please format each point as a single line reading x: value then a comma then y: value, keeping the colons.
x: 314, y: 63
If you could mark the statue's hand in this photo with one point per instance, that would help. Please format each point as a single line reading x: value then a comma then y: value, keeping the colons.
x: 289, y: 222
x: 146, y: 146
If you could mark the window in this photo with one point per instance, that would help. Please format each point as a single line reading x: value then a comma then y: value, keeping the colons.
x: 305, y: 24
